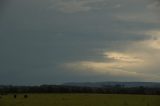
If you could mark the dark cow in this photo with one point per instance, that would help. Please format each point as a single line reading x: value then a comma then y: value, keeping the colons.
x: 15, y: 96
x: 25, y: 96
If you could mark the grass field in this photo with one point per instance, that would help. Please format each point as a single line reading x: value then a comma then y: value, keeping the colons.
x: 80, y: 100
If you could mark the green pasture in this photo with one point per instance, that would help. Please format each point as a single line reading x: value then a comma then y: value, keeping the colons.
x: 79, y: 100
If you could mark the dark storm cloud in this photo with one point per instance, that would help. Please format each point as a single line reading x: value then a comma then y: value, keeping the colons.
x: 155, y: 3
x: 158, y: 1
x: 2, y: 4
x: 35, y: 39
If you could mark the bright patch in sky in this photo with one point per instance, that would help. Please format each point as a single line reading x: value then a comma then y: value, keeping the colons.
x: 122, y: 57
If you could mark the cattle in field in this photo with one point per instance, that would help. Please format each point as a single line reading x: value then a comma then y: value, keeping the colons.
x: 15, y: 96
x: 25, y: 96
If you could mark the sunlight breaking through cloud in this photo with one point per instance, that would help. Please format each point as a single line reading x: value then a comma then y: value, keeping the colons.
x: 122, y: 57
x: 135, y: 62
x: 120, y: 65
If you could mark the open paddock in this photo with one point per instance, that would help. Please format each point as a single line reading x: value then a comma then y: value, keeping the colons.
x: 79, y: 100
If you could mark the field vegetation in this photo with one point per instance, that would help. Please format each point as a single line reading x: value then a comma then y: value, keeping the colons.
x: 79, y: 100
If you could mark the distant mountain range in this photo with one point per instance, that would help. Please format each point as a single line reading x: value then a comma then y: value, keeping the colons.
x: 107, y: 84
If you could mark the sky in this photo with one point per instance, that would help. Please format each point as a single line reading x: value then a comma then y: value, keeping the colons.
x: 57, y: 41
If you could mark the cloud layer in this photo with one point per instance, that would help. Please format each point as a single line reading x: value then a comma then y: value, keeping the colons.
x: 72, y: 6
x: 137, y: 60
x: 55, y: 41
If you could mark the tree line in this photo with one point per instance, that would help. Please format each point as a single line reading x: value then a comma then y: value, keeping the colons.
x: 117, y: 89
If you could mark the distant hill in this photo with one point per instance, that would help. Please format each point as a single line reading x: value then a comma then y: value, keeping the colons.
x: 107, y: 84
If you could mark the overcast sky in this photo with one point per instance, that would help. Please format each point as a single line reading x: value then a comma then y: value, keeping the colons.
x: 56, y: 41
